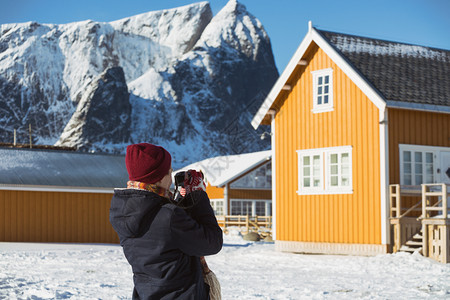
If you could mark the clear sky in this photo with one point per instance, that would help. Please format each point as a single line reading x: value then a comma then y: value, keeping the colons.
x: 421, y: 22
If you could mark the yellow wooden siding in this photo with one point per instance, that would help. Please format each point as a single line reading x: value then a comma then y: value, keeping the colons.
x: 347, y: 218
x: 414, y: 128
x: 214, y: 192
x: 33, y: 216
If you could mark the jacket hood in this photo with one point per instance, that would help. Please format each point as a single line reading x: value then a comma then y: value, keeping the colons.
x: 128, y: 209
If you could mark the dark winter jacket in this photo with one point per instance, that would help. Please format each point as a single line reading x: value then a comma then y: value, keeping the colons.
x: 163, y: 242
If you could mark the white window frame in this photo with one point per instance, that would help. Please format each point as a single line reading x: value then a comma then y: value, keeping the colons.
x: 320, y: 108
x: 214, y: 203
x: 339, y: 188
x: 422, y: 149
x: 325, y: 187
x: 311, y: 189
x: 268, y: 203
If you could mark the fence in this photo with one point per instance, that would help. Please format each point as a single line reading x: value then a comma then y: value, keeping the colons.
x: 260, y: 224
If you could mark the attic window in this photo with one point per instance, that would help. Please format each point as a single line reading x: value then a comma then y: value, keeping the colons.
x: 322, y: 90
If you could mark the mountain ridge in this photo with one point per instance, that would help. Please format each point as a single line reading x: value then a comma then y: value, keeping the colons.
x: 193, y: 80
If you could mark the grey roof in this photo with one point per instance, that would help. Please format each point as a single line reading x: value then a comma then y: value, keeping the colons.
x: 61, y: 168
x: 400, y: 72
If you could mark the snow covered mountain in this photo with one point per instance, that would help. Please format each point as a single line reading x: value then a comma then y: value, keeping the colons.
x: 181, y: 78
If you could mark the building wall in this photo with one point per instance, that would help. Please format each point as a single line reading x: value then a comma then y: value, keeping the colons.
x: 414, y: 128
x: 250, y: 194
x: 214, y: 192
x: 60, y: 217
x: 253, y: 194
x: 347, y: 218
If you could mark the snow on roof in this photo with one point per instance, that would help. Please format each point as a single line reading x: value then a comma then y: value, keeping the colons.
x: 222, y: 169
x: 347, y: 43
x: 405, y: 73
x: 61, y: 168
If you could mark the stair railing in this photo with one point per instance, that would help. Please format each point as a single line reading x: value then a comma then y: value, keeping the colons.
x: 404, y: 225
x: 432, y: 190
x: 396, y: 191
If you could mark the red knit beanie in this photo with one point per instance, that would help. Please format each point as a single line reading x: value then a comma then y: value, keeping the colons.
x: 147, y: 163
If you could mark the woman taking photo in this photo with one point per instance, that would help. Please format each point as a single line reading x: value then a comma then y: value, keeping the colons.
x: 162, y: 241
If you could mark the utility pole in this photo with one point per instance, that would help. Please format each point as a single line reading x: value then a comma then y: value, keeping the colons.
x: 15, y: 137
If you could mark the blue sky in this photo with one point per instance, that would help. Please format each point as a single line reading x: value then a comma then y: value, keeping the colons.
x: 421, y: 22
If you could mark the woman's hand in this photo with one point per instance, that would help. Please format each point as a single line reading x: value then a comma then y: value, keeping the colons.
x: 193, y: 181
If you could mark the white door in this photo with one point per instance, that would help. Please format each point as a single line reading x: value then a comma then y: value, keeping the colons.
x: 445, y: 171
x: 445, y: 168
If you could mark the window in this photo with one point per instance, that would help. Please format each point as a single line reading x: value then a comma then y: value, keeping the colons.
x: 416, y: 165
x: 260, y: 178
x: 241, y: 207
x: 325, y: 171
x: 217, y: 206
x: 310, y: 165
x: 260, y: 208
x: 338, y: 163
x: 322, y: 90
x: 245, y: 207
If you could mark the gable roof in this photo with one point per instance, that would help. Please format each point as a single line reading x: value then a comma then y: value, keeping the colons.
x: 221, y: 170
x: 31, y: 167
x: 389, y: 74
x: 401, y: 72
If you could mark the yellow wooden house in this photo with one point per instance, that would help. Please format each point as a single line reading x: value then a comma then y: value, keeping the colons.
x: 349, y: 117
x: 238, y: 184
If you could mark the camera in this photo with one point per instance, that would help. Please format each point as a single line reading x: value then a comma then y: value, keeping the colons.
x: 180, y: 176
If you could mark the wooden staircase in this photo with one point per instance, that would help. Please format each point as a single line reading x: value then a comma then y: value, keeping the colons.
x: 414, y: 244
x: 426, y: 230
x: 407, y: 229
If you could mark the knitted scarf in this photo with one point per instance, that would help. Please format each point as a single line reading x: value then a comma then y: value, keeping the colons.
x: 149, y: 187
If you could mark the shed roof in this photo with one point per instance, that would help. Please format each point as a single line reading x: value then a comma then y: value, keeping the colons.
x: 221, y: 170
x: 61, y: 168
x: 400, y: 72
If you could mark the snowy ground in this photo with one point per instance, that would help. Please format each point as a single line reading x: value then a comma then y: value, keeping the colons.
x: 246, y: 270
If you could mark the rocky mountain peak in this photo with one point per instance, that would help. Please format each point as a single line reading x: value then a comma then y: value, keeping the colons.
x: 177, y: 28
x: 181, y: 78
x: 102, y: 115
x: 236, y: 27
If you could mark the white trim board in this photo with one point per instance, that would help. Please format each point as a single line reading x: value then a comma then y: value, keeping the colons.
x: 42, y: 188
x: 330, y: 248
x: 274, y: 179
x: 423, y: 147
x: 384, y: 178
x: 419, y: 106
